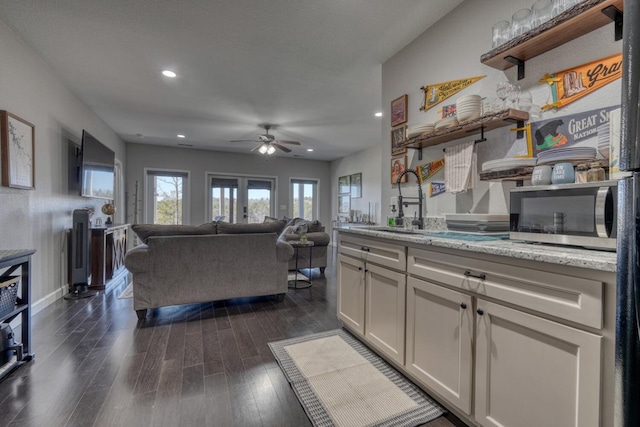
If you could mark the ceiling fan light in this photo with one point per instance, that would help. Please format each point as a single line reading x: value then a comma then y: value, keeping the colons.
x: 263, y: 149
x: 271, y: 149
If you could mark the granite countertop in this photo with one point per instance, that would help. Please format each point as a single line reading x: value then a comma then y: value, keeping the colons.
x: 562, y: 255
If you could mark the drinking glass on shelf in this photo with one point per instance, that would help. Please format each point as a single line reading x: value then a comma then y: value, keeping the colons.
x: 520, y: 22
x: 525, y: 101
x: 500, y: 33
x: 513, y: 94
x: 540, y: 12
x: 502, y: 91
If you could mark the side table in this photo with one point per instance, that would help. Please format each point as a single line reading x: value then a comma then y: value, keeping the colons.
x: 297, y: 246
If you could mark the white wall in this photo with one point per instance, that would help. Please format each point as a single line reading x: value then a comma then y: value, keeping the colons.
x: 451, y: 50
x: 201, y: 162
x: 365, y: 162
x: 37, y: 219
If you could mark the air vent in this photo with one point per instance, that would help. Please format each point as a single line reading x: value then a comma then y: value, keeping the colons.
x: 185, y: 145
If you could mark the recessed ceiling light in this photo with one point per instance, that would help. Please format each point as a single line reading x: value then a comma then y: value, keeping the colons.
x: 180, y: 135
x: 309, y: 149
x: 378, y: 114
x: 169, y: 73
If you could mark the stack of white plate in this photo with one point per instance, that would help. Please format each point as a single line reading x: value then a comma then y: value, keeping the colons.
x: 566, y: 154
x: 468, y: 108
x: 603, y: 140
x: 446, y: 123
x: 420, y: 130
x: 506, y: 164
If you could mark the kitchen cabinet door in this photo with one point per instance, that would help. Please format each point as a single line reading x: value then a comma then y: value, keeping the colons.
x: 351, y: 293
x: 533, y: 372
x: 439, y: 340
x: 385, y: 310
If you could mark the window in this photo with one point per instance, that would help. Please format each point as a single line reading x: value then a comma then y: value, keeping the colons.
x: 304, y: 198
x: 167, y: 197
x: 239, y: 199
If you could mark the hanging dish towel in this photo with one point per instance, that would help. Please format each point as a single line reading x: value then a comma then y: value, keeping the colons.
x: 460, y: 167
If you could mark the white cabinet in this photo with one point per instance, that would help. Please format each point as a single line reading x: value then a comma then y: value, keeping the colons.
x: 533, y: 372
x: 439, y: 340
x: 371, y: 297
x: 385, y: 310
x: 351, y: 293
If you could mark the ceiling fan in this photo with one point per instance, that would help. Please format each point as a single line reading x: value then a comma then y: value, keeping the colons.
x: 268, y: 143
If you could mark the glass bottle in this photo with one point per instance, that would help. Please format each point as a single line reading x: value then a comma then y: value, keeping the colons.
x: 595, y: 173
x: 581, y: 173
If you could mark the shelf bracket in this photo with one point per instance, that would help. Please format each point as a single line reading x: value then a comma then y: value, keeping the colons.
x: 419, y: 151
x: 482, y: 138
x: 616, y: 16
x: 519, y: 63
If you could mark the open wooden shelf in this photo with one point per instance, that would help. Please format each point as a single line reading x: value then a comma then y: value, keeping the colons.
x: 524, y: 173
x: 571, y: 24
x: 508, y: 117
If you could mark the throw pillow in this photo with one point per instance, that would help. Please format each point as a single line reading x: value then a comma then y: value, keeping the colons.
x: 302, y: 228
x: 287, y: 230
x: 144, y: 231
x: 270, y: 219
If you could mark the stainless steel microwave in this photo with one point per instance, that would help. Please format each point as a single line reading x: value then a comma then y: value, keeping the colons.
x: 566, y: 214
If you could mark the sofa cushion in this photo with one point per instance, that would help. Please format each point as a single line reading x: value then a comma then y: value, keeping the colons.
x: 265, y: 227
x: 144, y: 231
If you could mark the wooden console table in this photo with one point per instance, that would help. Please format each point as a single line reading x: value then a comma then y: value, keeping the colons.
x: 108, y: 248
x: 11, y: 261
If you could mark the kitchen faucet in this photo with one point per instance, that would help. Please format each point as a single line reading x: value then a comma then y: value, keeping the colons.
x: 416, y: 221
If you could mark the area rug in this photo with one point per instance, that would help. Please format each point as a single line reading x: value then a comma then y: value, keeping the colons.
x: 340, y: 382
x: 128, y: 292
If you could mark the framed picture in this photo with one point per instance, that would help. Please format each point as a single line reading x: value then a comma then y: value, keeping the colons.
x: 18, y: 151
x: 399, y: 111
x: 344, y: 204
x: 356, y: 185
x: 398, y: 165
x: 397, y: 136
x: 344, y: 185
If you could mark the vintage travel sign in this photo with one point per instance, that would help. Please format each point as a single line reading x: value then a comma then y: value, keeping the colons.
x: 427, y: 170
x: 436, y: 93
x: 570, y: 130
x: 570, y: 85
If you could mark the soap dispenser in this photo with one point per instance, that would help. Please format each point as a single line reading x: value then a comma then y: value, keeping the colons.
x: 391, y: 219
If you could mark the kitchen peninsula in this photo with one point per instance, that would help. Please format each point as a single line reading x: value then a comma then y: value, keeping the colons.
x: 495, y: 329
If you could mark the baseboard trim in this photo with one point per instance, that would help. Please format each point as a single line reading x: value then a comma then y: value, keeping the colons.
x: 38, y: 306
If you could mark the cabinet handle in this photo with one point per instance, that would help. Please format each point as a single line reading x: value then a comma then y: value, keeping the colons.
x: 480, y: 311
x: 365, y: 249
x: 480, y: 276
x: 366, y: 270
x: 463, y: 305
x: 359, y: 268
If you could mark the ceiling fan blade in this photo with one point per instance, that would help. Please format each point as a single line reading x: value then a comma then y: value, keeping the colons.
x: 256, y: 147
x: 243, y: 140
x: 285, y: 149
x: 279, y: 141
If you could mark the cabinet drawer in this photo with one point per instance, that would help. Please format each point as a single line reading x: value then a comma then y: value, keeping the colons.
x: 374, y: 251
x: 575, y: 299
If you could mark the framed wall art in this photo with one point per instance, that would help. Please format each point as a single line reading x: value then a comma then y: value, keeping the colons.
x: 397, y: 136
x: 398, y: 165
x: 399, y: 111
x: 344, y: 185
x: 356, y: 185
x: 18, y: 151
x: 344, y: 204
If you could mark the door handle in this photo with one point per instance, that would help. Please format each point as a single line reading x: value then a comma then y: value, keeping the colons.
x: 480, y: 276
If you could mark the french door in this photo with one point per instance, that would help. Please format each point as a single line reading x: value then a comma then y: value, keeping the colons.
x: 240, y: 199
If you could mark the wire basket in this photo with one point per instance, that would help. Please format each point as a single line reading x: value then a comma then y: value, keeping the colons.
x: 8, y: 294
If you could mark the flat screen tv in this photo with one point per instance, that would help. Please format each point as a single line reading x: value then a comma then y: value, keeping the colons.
x: 98, y: 175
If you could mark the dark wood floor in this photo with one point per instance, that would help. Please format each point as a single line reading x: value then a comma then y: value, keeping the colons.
x: 199, y: 365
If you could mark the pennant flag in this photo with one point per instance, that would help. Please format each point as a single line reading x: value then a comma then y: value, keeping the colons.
x: 434, y: 94
x: 570, y: 85
x: 427, y: 170
x: 436, y: 188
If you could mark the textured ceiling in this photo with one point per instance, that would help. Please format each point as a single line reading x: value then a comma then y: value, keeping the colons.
x: 310, y: 67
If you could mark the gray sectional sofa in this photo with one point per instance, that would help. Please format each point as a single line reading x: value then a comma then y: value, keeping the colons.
x: 186, y: 264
